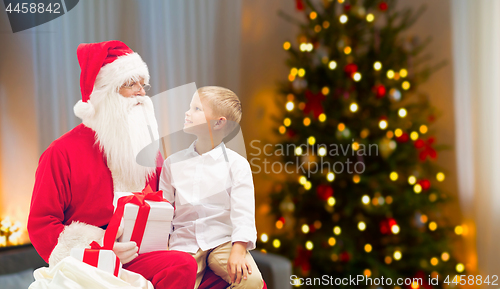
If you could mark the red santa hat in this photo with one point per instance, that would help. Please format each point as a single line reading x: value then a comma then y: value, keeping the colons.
x: 105, y: 66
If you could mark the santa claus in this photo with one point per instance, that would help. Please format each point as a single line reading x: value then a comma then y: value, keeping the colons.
x: 77, y: 175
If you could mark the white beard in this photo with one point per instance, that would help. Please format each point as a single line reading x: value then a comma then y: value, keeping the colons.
x: 122, y: 131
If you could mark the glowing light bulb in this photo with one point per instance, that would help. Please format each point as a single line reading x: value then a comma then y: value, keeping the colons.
x: 322, y: 151
x: 412, y: 180
x: 331, y: 201
x: 282, y: 129
x: 287, y: 45
x: 343, y: 18
x: 460, y: 267
x: 287, y: 121
x: 383, y: 124
x: 322, y: 117
x: 264, y: 238
x: 361, y: 226
x: 337, y: 230
x: 403, y: 73
x: 390, y: 74
x: 289, y: 106
x: 395, y: 229
x: 302, y: 180
x: 305, y: 229
x: 434, y: 261
x: 368, y: 248
x: 311, y: 140
x: 414, y: 135
x: 306, y: 121
x: 402, y: 112
x: 308, y: 185
x: 301, y: 72
x: 370, y: 17
x: 332, y: 241
x: 276, y: 243
x: 397, y: 255
x: 365, y: 199
x: 377, y: 65
x: 330, y: 176
x: 357, y: 76
x: 353, y: 107
x: 332, y: 65
x: 433, y: 226
x: 405, y: 85
x: 417, y: 188
x: 440, y: 177
x: 394, y: 176
x: 313, y: 15
x: 309, y: 245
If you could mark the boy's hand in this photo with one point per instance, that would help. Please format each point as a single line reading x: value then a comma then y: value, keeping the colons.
x: 237, y: 265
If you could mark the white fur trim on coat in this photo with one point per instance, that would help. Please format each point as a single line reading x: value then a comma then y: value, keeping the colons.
x: 76, y: 235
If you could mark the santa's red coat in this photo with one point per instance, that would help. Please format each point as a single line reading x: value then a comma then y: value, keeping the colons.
x: 73, y: 183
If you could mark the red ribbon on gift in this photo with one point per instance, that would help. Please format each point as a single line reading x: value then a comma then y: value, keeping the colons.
x: 91, y: 257
x: 138, y: 199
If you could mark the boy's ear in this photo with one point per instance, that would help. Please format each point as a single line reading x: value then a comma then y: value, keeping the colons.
x: 220, y: 123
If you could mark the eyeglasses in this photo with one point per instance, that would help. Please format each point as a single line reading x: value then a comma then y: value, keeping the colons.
x: 136, y: 86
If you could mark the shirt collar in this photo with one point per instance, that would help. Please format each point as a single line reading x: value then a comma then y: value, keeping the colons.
x: 214, y: 153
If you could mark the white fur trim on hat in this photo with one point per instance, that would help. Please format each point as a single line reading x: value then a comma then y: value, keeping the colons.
x: 76, y: 235
x: 123, y: 69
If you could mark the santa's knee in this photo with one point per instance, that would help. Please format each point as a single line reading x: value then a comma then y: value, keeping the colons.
x: 186, y: 263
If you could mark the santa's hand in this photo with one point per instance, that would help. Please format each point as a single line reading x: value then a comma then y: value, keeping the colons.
x: 125, y: 251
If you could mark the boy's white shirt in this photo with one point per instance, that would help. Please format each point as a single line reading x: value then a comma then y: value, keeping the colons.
x: 213, y: 196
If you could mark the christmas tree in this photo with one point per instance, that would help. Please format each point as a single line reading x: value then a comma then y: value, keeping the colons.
x: 362, y: 198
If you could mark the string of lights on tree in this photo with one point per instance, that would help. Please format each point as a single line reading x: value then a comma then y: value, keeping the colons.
x: 353, y: 82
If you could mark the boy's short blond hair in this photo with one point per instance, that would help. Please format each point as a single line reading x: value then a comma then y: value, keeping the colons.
x: 222, y: 101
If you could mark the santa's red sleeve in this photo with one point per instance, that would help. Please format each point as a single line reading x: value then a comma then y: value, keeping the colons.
x: 46, y: 221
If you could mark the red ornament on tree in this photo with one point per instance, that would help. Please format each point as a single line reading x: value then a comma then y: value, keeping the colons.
x: 299, y: 5
x: 386, y: 226
x: 379, y: 90
x: 290, y: 133
x: 403, y: 137
x: 425, y: 184
x: 347, y: 7
x: 383, y: 6
x: 427, y: 149
x: 344, y: 256
x: 314, y: 103
x: 302, y: 260
x: 324, y: 192
x: 350, y: 69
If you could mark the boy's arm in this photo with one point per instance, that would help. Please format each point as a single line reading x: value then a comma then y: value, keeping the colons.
x: 166, y: 182
x: 243, y: 205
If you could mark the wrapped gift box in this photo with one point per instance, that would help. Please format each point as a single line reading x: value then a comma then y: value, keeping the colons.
x: 157, y: 229
x: 105, y: 260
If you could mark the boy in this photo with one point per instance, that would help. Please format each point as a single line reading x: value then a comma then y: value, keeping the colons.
x: 212, y: 190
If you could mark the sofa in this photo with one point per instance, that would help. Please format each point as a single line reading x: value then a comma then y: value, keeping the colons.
x: 17, y: 266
